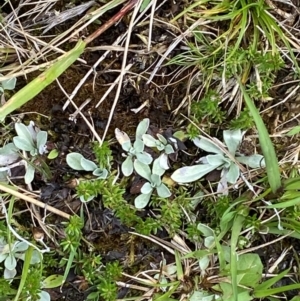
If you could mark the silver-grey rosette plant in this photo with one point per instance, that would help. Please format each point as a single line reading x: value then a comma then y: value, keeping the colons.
x: 154, y: 182
x: 77, y: 162
x: 224, y: 157
x: 135, y: 150
x: 162, y: 145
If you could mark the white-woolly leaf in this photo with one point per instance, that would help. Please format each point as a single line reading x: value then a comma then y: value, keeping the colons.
x: 100, y: 173
x: 87, y: 165
x: 29, y: 175
x: 127, y: 167
x: 192, y: 173
x: 157, y: 167
x: 74, y: 161
x: 23, y: 132
x: 155, y: 180
x: 44, y: 296
x: 9, y: 274
x: 149, y: 140
x: 142, y: 200
x: 121, y: 137
x: 9, y: 84
x: 163, y: 191
x: 143, y: 170
x: 20, y: 246
x: 146, y: 188
x: 144, y: 158
x: 162, y: 139
x: 10, y: 262
x: 253, y: 161
x: 233, y: 174
x: 138, y: 145
x: 41, y: 140
x: 216, y: 160
x: 23, y: 144
x: 207, y: 146
x: 142, y: 128
x: 205, y: 230
x: 233, y: 139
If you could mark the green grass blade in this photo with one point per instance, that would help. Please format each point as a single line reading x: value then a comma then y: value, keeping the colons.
x: 42, y: 81
x: 265, y: 142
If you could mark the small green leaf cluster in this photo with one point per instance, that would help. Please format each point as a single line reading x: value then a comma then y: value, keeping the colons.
x: 208, y: 107
x: 73, y: 234
x: 103, y: 154
x: 244, y: 121
x: 224, y: 158
x: 107, y: 288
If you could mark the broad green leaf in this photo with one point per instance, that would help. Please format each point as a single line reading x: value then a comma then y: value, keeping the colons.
x: 87, y: 165
x: 192, y: 173
x: 142, y: 128
x: 53, y: 154
x: 74, y: 161
x: 142, y: 169
x: 144, y: 4
x: 163, y: 191
x: 268, y: 150
x: 146, y: 188
x: 127, y: 167
x: 149, y: 140
x: 53, y: 281
x: 43, y: 80
x: 207, y: 146
x: 209, y: 241
x: 286, y: 204
x: 142, y: 201
x: 232, y: 139
x: 242, y: 293
x: 250, y: 270
x: 29, y: 175
x: 202, y: 296
x: 253, y: 161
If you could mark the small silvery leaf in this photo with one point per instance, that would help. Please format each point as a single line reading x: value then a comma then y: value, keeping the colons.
x: 23, y: 132
x: 169, y: 149
x: 162, y: 139
x: 159, y: 164
x: 144, y: 158
x: 8, y: 84
x: 126, y: 146
x: 100, y: 173
x: 74, y: 161
x: 146, y: 188
x: 142, y: 128
x: 121, y: 137
x: 8, y: 154
x: 204, y: 264
x: 9, y: 274
x: 253, y: 161
x: 44, y: 296
x: 33, y: 130
x: 143, y: 170
x: 149, y: 140
x: 216, y: 160
x: 29, y: 175
x: 163, y: 191
x: 138, y: 145
x: 127, y: 167
x: 191, y: 173
x: 20, y: 246
x: 41, y: 140
x: 10, y: 262
x: 23, y: 144
x: 233, y: 139
x: 83, y: 200
x: 207, y: 146
x: 205, y: 230
x: 233, y: 173
x: 142, y: 201
x: 155, y: 180
x: 36, y: 257
x: 87, y: 165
